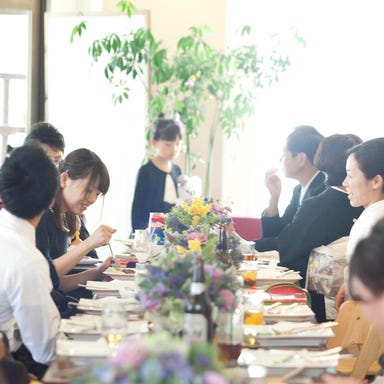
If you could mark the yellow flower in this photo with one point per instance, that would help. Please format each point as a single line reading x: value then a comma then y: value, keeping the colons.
x: 195, y: 221
x: 197, y: 208
x: 198, y: 73
x: 195, y: 246
x: 192, y: 78
x: 181, y: 250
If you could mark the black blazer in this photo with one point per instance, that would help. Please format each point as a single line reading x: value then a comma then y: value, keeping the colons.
x: 149, y: 193
x: 272, y: 226
x: 319, y: 221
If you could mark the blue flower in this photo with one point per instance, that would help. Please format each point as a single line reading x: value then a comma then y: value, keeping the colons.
x: 151, y: 372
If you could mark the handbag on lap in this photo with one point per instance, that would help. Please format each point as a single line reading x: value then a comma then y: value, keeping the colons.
x: 325, y: 273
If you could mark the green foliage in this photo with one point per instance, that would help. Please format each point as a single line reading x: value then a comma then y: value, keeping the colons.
x: 197, y: 74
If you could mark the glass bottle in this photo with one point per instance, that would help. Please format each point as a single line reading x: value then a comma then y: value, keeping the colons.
x: 198, y: 325
x: 222, y: 250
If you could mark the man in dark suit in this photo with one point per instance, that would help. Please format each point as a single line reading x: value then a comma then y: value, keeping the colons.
x: 299, y: 152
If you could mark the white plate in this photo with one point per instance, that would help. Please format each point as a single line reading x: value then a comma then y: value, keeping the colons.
x: 123, y: 274
x: 109, y: 288
x: 88, y: 261
x: 77, y: 348
x: 266, y: 336
x: 81, y: 328
x: 296, y: 313
x: 280, y: 362
x: 273, y: 276
x: 94, y: 306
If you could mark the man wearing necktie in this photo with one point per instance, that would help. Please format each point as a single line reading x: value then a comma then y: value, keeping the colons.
x: 298, y: 157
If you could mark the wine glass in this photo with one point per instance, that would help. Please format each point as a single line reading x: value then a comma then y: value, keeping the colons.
x: 141, y: 245
x: 113, y: 322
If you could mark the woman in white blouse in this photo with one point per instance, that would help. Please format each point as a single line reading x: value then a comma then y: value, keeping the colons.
x: 365, y: 187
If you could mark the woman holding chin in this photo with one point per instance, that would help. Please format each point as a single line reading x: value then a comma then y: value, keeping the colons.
x: 365, y: 187
x: 366, y: 285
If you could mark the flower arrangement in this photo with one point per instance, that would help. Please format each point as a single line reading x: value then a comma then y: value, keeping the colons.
x: 193, y: 225
x: 158, y: 359
x: 166, y: 287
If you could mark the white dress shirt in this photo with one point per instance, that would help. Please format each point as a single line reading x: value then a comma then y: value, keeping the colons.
x: 170, y: 194
x: 304, y: 189
x: 363, y: 225
x: 25, y: 287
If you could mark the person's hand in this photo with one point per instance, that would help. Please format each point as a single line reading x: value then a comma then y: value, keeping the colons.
x: 3, y: 349
x: 340, y: 297
x: 331, y: 379
x: 273, y: 183
x: 33, y: 378
x: 106, y: 264
x: 101, y: 236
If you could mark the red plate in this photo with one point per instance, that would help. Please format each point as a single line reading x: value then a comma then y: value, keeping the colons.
x: 288, y: 293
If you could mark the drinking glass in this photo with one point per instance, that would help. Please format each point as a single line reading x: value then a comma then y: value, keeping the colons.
x: 140, y: 240
x: 113, y: 322
x: 249, y: 272
x: 253, y: 309
x: 229, y: 335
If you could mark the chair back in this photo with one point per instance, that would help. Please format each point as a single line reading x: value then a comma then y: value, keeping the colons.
x: 249, y: 228
x: 355, y: 334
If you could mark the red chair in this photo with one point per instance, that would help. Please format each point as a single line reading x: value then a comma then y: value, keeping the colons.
x: 249, y: 228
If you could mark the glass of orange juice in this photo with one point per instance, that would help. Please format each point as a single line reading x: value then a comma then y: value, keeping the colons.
x: 253, y: 309
x: 249, y: 272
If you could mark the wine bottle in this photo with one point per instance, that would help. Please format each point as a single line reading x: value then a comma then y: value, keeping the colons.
x: 222, y: 246
x: 198, y: 325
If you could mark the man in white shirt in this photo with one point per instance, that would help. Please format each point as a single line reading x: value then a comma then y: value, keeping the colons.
x: 28, y: 184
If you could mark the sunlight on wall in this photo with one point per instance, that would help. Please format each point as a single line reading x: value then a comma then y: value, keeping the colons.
x: 334, y: 84
x: 79, y: 104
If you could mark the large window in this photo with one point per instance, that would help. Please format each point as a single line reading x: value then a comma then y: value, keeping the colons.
x: 335, y: 84
x: 14, y: 76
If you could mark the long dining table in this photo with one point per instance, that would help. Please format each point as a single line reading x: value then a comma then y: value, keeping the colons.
x: 66, y: 365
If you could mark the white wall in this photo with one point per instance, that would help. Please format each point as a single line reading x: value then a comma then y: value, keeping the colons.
x: 335, y: 84
x: 79, y: 103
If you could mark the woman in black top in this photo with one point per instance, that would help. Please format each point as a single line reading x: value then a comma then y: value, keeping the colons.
x: 156, y: 185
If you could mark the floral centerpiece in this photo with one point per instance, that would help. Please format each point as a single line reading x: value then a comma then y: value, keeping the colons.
x: 192, y: 230
x: 165, y: 288
x: 157, y: 359
x: 193, y: 225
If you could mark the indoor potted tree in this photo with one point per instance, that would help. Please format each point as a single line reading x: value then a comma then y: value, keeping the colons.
x: 196, y: 76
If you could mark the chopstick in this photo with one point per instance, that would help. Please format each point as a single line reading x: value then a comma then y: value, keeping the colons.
x: 269, y: 307
x: 293, y: 373
x: 310, y: 327
x: 313, y: 356
x: 110, y: 248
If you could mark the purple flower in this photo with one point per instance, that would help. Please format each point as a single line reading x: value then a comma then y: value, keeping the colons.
x: 215, y: 273
x: 203, y: 361
x: 151, y: 371
x: 175, y: 365
x: 189, y: 84
x: 212, y: 377
x: 133, y: 353
x: 148, y: 303
x: 228, y: 298
x: 197, y: 236
x: 160, y: 289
